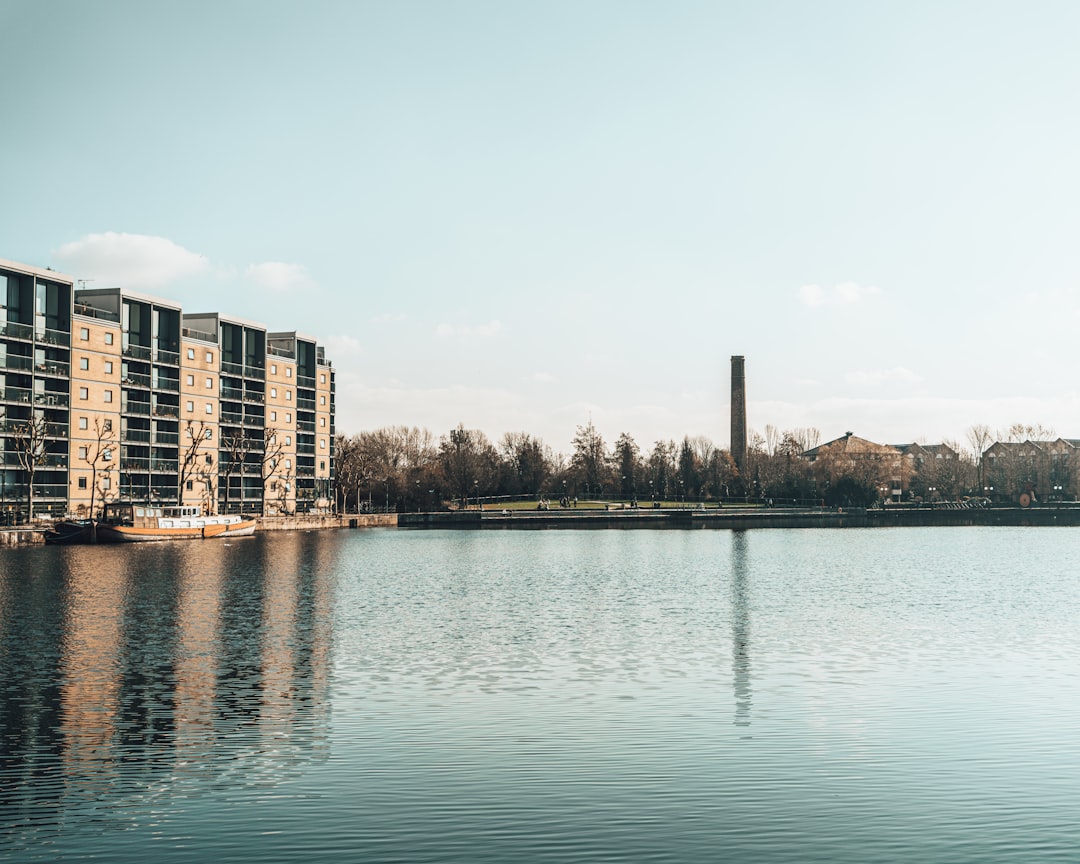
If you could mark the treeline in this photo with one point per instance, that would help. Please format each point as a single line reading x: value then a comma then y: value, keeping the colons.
x: 411, y: 468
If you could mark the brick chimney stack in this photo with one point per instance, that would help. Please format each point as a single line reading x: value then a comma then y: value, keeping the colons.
x: 738, y: 413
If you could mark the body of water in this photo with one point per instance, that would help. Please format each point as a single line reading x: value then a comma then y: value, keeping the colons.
x: 433, y: 696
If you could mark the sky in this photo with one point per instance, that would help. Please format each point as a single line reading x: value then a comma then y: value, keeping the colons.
x: 530, y: 216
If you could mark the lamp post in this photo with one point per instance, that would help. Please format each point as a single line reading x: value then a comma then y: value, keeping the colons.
x: 1057, y: 492
x: 476, y: 492
x: 932, y: 490
x: 431, y: 500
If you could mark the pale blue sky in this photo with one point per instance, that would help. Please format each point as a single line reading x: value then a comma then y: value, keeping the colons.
x: 518, y: 216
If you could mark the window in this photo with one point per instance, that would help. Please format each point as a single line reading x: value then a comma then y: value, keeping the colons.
x: 106, y: 482
x: 273, y: 415
x: 108, y: 338
x: 82, y: 482
x: 84, y: 393
x: 288, y: 395
x: 322, y: 421
x: 106, y: 426
x: 84, y: 334
x: 106, y: 455
x: 209, y: 408
x: 322, y: 400
x: 322, y: 443
x: 190, y: 353
x: 288, y: 463
x: 108, y: 367
x: 322, y: 464
x: 288, y: 417
x: 190, y: 485
x: 273, y: 368
x: 190, y: 406
x: 288, y: 371
x: 209, y: 383
x: 209, y: 459
x: 191, y: 380
x: 322, y: 377
x: 82, y: 453
x: 209, y: 436
x: 209, y: 356
x: 84, y: 363
x: 82, y: 423
x: 108, y: 395
x: 288, y: 440
x: 273, y: 392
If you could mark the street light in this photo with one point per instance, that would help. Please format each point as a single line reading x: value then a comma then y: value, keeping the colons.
x: 932, y: 490
x: 476, y: 491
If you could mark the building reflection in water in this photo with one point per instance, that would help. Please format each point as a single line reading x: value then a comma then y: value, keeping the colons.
x: 127, y: 666
x: 740, y: 626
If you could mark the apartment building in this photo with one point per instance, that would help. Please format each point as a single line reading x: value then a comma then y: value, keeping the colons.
x: 133, y: 399
x: 35, y: 388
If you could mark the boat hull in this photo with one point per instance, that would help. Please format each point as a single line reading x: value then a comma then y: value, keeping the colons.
x: 130, y: 534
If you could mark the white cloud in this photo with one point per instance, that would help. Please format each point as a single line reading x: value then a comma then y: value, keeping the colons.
x: 388, y: 318
x: 342, y: 346
x: 842, y: 294
x: 540, y: 377
x: 479, y: 331
x: 129, y: 260
x: 279, y: 277
x: 896, y: 375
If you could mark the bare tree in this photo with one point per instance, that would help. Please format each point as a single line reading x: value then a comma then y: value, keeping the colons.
x: 197, y: 437
x: 269, y: 459
x: 98, y: 455
x: 234, y: 448
x: 31, y: 451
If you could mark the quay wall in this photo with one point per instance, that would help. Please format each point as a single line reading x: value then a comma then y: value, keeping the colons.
x: 735, y: 519
x: 22, y: 537
x: 316, y: 523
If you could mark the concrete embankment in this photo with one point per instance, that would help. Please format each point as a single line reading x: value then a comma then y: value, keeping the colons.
x: 22, y: 537
x: 741, y: 519
x: 317, y: 523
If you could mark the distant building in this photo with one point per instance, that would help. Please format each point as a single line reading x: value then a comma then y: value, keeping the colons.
x: 139, y: 401
x: 876, y: 468
x: 1028, y: 472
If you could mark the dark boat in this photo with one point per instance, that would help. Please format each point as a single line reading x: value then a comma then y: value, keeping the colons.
x: 69, y: 531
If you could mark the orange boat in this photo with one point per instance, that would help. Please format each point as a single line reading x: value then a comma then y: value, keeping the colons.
x: 135, y: 523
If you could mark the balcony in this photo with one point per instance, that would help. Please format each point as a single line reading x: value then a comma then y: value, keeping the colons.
x: 170, y: 384
x: 11, y: 330
x: 253, y: 420
x: 233, y: 394
x: 255, y: 396
x: 169, y: 358
x: 138, y: 352
x: 15, y: 394
x: 232, y: 418
x: 52, y: 400
x: 136, y: 379
x: 93, y: 312
x: 305, y: 381
x: 255, y: 372
x: 54, y: 337
x: 54, y: 367
x: 164, y: 466
x: 136, y: 408
x: 167, y: 411
x: 137, y: 436
x: 201, y: 335
x: 167, y: 439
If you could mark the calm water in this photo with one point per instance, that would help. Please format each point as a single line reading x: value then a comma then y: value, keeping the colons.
x: 770, y: 696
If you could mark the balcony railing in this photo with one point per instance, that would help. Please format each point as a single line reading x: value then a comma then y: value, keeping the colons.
x: 254, y: 420
x: 255, y: 372
x: 170, y: 358
x: 254, y: 396
x: 166, y: 411
x: 136, y: 379
x: 54, y: 367
x: 274, y: 351
x: 138, y: 352
x: 305, y: 381
x: 138, y: 436
x: 93, y: 312
x: 167, y: 439
x: 136, y: 408
x: 12, y: 330
x: 54, y: 337
x: 201, y: 335
x: 305, y: 404
x: 163, y: 383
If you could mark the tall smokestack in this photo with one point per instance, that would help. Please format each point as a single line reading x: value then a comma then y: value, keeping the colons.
x: 738, y: 413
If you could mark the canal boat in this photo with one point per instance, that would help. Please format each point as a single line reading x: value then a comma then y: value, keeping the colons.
x: 125, y: 522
